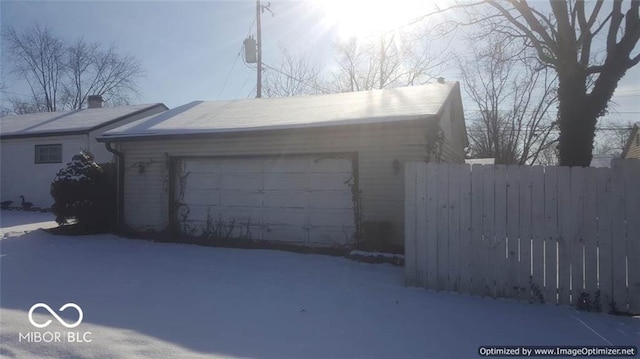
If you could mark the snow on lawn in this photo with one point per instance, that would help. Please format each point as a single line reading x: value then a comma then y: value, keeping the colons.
x: 12, y: 221
x: 157, y: 300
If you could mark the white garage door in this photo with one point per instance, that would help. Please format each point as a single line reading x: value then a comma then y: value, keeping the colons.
x: 305, y: 200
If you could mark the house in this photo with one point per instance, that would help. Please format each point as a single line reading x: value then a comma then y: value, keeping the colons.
x: 601, y: 160
x: 35, y: 146
x: 323, y: 170
x: 480, y: 161
x: 632, y: 149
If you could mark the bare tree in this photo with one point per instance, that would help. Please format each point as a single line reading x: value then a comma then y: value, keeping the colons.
x: 39, y: 58
x: 589, y: 48
x: 296, y: 75
x: 612, y: 138
x: 61, y: 75
x: 389, y: 61
x: 514, y: 123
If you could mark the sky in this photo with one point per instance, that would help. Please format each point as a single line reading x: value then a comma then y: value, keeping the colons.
x: 190, y: 50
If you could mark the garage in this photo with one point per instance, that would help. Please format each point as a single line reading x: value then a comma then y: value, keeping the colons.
x: 314, y: 171
x: 301, y: 199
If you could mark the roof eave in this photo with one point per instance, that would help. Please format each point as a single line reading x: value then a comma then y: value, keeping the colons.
x: 82, y: 131
x: 254, y: 130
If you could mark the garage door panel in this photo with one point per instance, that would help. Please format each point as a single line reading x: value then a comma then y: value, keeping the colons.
x: 331, y: 200
x: 333, y: 165
x: 285, y: 234
x: 240, y: 198
x: 286, y: 165
x: 285, y: 181
x: 243, y: 165
x: 331, y: 217
x: 285, y: 199
x: 201, y: 166
x: 292, y: 199
x: 247, y: 182
x: 328, y: 182
x: 201, y: 197
x: 283, y: 217
x: 203, y: 181
x: 193, y: 213
x: 241, y: 216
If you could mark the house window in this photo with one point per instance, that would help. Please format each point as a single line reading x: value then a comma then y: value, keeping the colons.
x: 49, y: 153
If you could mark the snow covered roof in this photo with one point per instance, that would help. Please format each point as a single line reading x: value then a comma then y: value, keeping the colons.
x: 200, y: 117
x: 67, y: 122
x: 480, y: 161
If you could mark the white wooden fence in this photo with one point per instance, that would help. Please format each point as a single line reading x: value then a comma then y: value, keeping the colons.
x: 548, y: 234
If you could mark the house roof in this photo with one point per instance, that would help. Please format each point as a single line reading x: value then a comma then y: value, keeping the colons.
x: 209, y: 117
x: 634, y: 132
x: 480, y: 161
x: 67, y: 122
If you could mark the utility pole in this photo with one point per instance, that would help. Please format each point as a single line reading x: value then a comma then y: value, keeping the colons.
x: 259, y: 10
x: 259, y: 35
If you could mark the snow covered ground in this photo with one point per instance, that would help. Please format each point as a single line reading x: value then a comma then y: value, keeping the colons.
x: 152, y: 300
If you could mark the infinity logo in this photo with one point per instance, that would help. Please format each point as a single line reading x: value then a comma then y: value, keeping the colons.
x: 42, y: 305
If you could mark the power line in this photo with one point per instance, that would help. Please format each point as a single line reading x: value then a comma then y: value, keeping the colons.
x: 236, y: 59
x: 315, y: 87
x: 243, y: 85
x: 15, y: 93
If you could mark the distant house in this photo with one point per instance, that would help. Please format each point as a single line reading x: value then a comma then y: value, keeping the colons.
x: 632, y: 149
x: 601, y: 161
x: 323, y: 170
x: 35, y: 146
x: 480, y: 161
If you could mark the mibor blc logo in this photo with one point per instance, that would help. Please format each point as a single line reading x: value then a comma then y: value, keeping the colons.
x: 48, y: 308
x: 55, y: 337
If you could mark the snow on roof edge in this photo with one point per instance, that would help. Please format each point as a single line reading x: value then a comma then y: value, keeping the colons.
x: 122, y: 136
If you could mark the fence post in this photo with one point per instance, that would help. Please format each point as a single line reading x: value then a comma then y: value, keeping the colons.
x: 632, y: 196
x: 421, y: 224
x: 466, y: 250
x: 432, y: 228
x: 618, y: 240
x: 410, y: 222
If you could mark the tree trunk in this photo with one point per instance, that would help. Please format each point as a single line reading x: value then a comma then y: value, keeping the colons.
x: 576, y: 121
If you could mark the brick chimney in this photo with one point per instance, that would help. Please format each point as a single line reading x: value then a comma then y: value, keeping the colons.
x: 95, y: 101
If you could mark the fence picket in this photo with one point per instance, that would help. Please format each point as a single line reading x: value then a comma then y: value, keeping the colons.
x: 500, y: 221
x: 454, y: 228
x: 556, y: 234
x: 525, y: 233
x: 576, y: 234
x: 466, y: 250
x: 618, y: 240
x: 443, y: 226
x: 477, y: 173
x: 564, y: 215
x: 632, y: 210
x: 488, y: 230
x: 513, y: 226
x: 421, y: 224
x: 537, y: 230
x: 551, y: 235
x: 432, y: 228
x: 605, y: 271
x: 590, y: 228
x: 411, y: 238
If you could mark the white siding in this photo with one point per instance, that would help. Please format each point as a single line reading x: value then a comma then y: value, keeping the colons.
x: 20, y: 175
x: 455, y: 140
x: 381, y: 185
